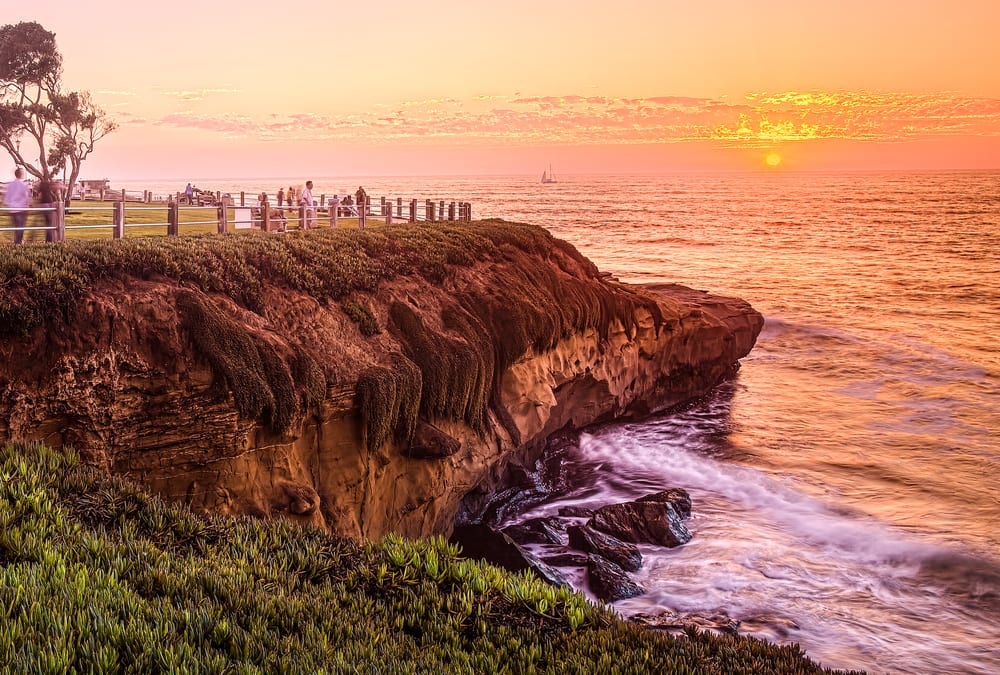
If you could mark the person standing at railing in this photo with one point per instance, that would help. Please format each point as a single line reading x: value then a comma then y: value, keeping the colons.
x: 46, y: 199
x: 189, y: 191
x: 362, y: 198
x: 308, y: 206
x: 281, y: 196
x: 18, y: 198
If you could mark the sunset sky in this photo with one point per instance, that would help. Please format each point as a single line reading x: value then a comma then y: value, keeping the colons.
x: 391, y: 87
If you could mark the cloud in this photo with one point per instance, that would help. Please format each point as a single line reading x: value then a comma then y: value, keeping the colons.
x: 229, y: 124
x: 431, y: 102
x: 199, y: 94
x: 116, y: 92
x: 759, y: 119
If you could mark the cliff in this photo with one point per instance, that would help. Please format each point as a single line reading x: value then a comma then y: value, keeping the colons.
x: 365, y: 382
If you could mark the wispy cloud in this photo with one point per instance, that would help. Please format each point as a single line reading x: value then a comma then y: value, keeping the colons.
x: 431, y: 102
x: 198, y: 94
x: 116, y: 92
x: 759, y: 119
x: 229, y: 124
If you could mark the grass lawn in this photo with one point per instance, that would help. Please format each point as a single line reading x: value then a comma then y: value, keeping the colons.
x: 143, y: 220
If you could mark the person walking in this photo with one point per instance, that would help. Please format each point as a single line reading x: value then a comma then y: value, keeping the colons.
x: 308, y: 210
x: 189, y: 192
x: 18, y: 198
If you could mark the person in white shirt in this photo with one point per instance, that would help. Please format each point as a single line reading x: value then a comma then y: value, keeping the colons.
x: 309, y: 212
x: 18, y: 196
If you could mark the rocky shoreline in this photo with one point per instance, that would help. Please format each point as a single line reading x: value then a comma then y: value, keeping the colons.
x: 602, y: 541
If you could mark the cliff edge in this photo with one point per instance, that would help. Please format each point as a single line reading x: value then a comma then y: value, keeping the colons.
x: 362, y: 381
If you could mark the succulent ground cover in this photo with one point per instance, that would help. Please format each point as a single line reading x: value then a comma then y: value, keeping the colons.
x: 98, y: 576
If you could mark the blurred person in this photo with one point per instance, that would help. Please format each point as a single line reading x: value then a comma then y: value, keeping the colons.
x: 18, y: 198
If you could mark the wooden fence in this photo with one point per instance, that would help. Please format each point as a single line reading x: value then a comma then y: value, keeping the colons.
x: 229, y: 216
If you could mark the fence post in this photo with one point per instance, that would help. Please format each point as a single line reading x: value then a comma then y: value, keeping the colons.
x: 173, y: 219
x: 399, y: 207
x: 60, y: 233
x: 362, y: 215
x: 413, y: 210
x: 383, y: 206
x: 223, y: 218
x: 243, y: 198
x: 118, y: 220
x: 429, y: 211
x: 303, y: 225
x: 451, y: 211
x: 322, y: 200
x: 265, y: 216
x: 334, y: 214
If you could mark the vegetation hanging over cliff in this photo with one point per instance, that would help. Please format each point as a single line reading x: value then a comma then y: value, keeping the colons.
x: 97, y: 576
x: 259, y: 379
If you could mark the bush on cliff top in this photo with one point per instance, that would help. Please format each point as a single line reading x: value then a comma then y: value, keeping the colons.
x: 42, y: 283
x: 97, y: 576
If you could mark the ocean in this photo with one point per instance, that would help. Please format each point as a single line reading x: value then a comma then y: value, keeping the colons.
x: 844, y: 484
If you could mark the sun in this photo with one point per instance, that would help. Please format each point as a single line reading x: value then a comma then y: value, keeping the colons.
x: 773, y: 159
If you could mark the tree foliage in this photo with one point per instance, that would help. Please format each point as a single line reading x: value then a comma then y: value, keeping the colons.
x: 57, y: 129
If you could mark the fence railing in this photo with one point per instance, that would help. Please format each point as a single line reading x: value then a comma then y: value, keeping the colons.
x: 227, y: 216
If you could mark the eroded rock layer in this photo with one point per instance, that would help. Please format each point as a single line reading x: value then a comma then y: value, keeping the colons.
x: 360, y: 407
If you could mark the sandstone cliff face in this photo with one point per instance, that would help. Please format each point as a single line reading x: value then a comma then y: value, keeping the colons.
x: 134, y: 386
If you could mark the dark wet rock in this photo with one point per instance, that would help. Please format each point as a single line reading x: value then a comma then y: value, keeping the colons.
x: 546, y: 530
x: 569, y: 559
x: 429, y: 442
x: 716, y: 623
x: 589, y: 540
x: 608, y: 581
x: 676, y: 497
x: 484, y: 543
x: 642, y: 523
x: 575, y: 512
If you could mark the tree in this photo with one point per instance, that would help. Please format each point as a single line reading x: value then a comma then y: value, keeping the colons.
x: 61, y: 128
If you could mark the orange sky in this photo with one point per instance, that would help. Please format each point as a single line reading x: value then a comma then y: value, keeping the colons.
x: 225, y: 89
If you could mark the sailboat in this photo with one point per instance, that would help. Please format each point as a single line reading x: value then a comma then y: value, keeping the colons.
x: 548, y: 177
